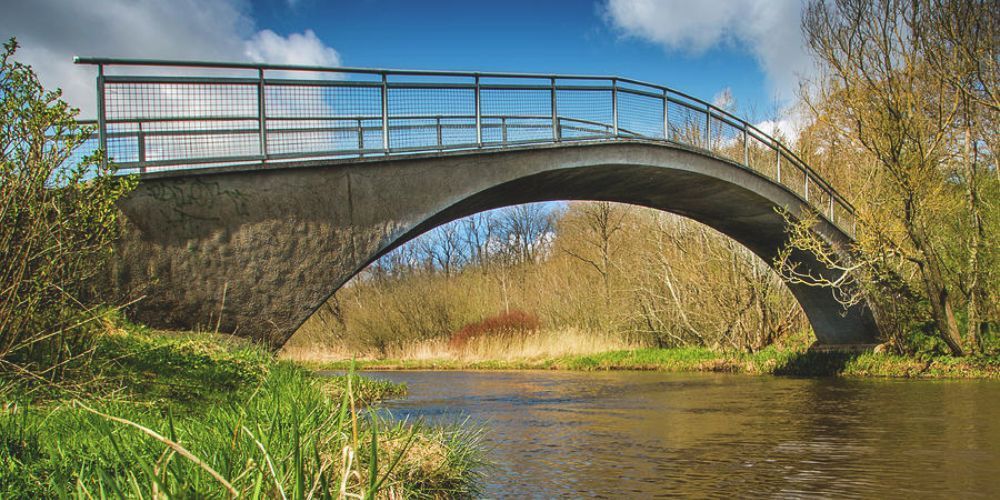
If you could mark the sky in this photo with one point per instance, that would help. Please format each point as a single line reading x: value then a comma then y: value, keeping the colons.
x: 751, y: 50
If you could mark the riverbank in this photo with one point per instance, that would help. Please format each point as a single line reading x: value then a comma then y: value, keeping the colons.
x: 770, y: 361
x: 197, y: 415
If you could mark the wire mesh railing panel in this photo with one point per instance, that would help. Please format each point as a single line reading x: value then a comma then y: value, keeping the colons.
x: 123, y: 143
x: 178, y: 122
x: 523, y: 130
x: 313, y: 120
x: 726, y: 140
x: 584, y: 113
x: 687, y: 125
x: 314, y: 137
x: 459, y: 131
x: 843, y: 218
x: 793, y: 176
x: 761, y: 156
x: 290, y: 102
x: 416, y: 113
x: 154, y: 100
x: 640, y: 115
x: 88, y: 147
x: 133, y: 144
x: 523, y: 115
x: 819, y: 197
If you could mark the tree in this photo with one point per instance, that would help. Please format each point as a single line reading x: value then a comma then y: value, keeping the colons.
x: 596, y: 228
x: 899, y: 89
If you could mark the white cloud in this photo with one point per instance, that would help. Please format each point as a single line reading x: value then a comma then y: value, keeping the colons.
x: 768, y: 29
x: 51, y: 32
x: 304, y: 49
x: 783, y: 129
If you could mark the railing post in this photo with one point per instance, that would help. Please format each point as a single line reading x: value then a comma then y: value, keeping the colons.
x: 437, y: 123
x: 830, y: 194
x: 479, y: 117
x: 614, y: 106
x: 666, y: 116
x: 708, y: 128
x: 503, y: 130
x: 806, y: 175
x: 385, y: 113
x: 361, y: 138
x: 102, y: 126
x: 746, y: 145
x: 142, y: 150
x: 777, y: 152
x: 261, y: 114
x: 556, y: 133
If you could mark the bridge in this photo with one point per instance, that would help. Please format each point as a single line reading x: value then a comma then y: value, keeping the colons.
x: 264, y: 188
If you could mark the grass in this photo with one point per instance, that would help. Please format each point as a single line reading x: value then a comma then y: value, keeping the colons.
x: 493, y: 348
x: 770, y: 361
x: 190, y: 416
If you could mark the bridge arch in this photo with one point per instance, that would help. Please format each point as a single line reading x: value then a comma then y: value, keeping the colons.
x: 256, y: 251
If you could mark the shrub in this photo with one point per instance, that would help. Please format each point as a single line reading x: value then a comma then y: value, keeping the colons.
x: 57, y: 221
x: 514, y: 322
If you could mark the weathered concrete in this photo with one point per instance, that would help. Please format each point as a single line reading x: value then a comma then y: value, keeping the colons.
x: 255, y: 251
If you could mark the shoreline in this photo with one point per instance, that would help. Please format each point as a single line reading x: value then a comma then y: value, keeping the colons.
x: 702, y: 360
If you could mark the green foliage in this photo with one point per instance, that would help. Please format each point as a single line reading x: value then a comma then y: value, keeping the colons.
x: 178, y: 368
x: 772, y: 360
x: 269, y: 429
x: 57, y: 221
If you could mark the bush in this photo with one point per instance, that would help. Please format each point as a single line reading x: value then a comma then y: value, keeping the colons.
x: 58, y: 220
x: 514, y: 322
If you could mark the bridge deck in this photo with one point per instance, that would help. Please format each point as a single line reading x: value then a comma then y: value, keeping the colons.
x: 195, y: 115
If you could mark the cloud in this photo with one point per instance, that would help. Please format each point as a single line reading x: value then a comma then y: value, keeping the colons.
x: 304, y: 49
x: 51, y: 32
x: 768, y: 29
x: 784, y: 129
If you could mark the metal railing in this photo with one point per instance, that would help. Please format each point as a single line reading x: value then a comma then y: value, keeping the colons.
x: 148, y: 123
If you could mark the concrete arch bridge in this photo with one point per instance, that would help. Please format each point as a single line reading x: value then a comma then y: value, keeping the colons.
x: 263, y: 189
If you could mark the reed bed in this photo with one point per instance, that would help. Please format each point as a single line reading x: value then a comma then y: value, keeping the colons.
x: 504, y: 346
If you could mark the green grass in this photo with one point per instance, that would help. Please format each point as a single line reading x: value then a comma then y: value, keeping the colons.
x: 190, y: 416
x: 772, y: 361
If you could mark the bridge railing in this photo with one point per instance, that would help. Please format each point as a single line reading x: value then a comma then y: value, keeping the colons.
x: 153, y: 117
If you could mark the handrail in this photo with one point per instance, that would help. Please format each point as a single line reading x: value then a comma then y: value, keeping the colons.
x: 143, y: 108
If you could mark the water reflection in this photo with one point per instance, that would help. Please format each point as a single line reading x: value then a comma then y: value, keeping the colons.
x: 649, y: 434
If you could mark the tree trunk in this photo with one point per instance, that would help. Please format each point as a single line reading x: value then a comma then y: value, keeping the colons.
x: 944, y: 315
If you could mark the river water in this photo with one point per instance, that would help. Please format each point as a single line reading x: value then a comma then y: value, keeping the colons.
x: 614, y: 434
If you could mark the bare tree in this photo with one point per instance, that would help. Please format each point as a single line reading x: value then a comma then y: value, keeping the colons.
x: 881, y: 92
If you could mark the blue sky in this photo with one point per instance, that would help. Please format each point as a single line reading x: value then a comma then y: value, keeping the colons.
x: 753, y: 48
x: 532, y: 36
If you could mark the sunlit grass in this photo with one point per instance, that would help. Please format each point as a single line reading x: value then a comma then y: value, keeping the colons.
x: 249, y: 428
x: 769, y: 361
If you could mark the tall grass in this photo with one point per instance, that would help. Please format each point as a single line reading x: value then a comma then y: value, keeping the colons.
x: 282, y: 433
x: 502, y: 346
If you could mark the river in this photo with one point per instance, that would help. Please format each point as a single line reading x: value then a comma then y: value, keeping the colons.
x: 613, y: 434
